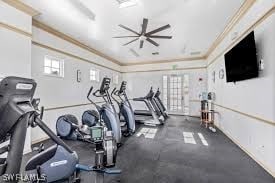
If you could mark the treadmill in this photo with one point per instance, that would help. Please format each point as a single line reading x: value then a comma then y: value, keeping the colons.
x: 160, y: 104
x: 153, y: 103
x: 150, y: 116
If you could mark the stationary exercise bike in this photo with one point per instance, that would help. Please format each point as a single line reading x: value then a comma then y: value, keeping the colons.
x: 93, y: 131
x: 126, y: 113
x: 18, y: 110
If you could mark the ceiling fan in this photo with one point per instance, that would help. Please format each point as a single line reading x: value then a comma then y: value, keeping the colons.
x: 143, y: 35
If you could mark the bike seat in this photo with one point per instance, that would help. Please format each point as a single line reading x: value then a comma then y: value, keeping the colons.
x: 41, y: 158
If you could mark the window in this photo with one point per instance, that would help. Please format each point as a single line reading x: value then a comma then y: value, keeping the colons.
x: 53, y: 66
x: 176, y: 93
x: 94, y: 74
x: 165, y: 91
x: 115, y: 79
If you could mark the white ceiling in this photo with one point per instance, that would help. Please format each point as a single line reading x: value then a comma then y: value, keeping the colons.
x: 195, y: 24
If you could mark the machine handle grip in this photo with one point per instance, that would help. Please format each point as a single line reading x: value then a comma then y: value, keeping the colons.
x: 41, y: 112
x: 90, y: 91
x: 99, y: 95
x: 113, y: 92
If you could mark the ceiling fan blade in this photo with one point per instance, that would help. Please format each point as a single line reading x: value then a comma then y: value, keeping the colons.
x: 144, y: 25
x: 160, y: 37
x: 127, y: 28
x: 152, y: 42
x: 131, y: 41
x: 124, y: 36
x: 141, y: 44
x: 158, y: 30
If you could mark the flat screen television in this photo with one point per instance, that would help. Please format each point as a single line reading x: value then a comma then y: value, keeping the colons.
x: 241, y: 61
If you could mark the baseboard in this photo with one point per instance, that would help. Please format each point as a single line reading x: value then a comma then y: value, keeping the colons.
x: 263, y: 165
x: 174, y: 114
x: 39, y: 140
x: 193, y: 116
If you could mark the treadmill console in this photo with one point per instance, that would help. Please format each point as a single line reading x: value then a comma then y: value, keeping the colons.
x: 157, y: 94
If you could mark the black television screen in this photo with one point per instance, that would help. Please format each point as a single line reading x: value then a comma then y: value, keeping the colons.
x: 241, y: 61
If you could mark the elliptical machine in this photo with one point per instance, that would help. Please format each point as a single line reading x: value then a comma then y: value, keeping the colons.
x: 107, y: 111
x: 125, y: 109
x: 67, y: 125
x: 18, y: 110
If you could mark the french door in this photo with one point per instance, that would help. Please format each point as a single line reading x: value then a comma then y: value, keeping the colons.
x: 176, y: 93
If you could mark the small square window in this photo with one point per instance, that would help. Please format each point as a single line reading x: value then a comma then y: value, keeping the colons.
x: 53, y: 66
x: 94, y: 74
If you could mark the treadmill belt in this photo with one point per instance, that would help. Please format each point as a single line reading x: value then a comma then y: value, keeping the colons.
x: 143, y: 112
x: 143, y: 118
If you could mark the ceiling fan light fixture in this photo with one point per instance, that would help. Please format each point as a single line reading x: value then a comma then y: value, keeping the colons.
x: 127, y: 3
x: 83, y: 9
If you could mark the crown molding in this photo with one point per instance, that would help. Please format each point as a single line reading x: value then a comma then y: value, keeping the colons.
x: 22, y: 7
x: 15, y: 29
x: 233, y: 21
x: 247, y: 4
x: 165, y: 61
x: 245, y: 33
x: 69, y: 39
x: 160, y: 70
x: 71, y: 55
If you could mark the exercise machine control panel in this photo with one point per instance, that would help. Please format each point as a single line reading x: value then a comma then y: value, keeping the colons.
x: 97, y: 133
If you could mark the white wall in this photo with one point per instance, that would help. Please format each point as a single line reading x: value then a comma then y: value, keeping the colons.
x: 15, y: 57
x: 59, y: 92
x: 254, y: 97
x: 139, y: 83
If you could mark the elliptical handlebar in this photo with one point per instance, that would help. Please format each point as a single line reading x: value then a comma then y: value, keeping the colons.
x: 98, y: 94
x: 89, y: 93
x: 115, y: 92
x: 89, y: 98
x: 41, y: 112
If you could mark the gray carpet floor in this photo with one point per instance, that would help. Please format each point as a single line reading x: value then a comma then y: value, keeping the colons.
x: 181, y: 151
